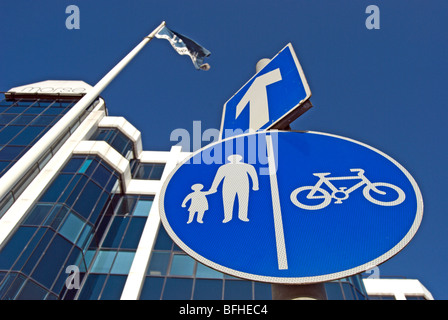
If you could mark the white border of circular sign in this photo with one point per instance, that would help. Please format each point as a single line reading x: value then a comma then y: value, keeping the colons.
x: 297, y: 280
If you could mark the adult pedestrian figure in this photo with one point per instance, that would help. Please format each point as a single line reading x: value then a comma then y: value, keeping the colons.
x: 235, y: 176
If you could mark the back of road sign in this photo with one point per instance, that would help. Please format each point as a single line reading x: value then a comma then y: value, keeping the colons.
x: 272, y: 94
x: 290, y: 207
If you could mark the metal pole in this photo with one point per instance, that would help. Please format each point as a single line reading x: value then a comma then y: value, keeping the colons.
x: 298, y: 292
x: 104, y: 82
x: 23, y: 165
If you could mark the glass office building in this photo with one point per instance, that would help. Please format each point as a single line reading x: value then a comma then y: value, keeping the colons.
x: 78, y: 209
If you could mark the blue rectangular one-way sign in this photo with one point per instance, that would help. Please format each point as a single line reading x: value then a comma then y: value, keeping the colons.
x: 270, y: 96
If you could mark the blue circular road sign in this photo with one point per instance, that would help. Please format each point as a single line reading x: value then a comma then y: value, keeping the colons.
x: 290, y: 207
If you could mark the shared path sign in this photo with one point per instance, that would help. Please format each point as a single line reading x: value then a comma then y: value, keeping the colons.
x: 290, y: 207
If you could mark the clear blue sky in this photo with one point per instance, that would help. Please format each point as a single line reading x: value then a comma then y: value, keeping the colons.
x: 382, y: 87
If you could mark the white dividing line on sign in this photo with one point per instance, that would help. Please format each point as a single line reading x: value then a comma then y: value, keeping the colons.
x: 278, y: 223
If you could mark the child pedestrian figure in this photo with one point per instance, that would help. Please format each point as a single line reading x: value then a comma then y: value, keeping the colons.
x: 198, y: 203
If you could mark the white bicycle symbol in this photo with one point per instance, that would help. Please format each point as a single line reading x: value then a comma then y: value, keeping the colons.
x: 316, y: 192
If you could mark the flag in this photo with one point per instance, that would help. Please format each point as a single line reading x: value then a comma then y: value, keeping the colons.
x: 186, y: 46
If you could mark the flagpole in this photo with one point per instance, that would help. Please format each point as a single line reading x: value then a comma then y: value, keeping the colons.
x: 104, y: 82
x: 25, y: 163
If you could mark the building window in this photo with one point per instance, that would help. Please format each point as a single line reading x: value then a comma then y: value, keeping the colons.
x: 147, y: 171
x: 383, y: 297
x: 182, y: 265
x: 237, y: 290
x: 207, y: 289
x: 170, y: 267
x: 177, y: 289
x: 113, y: 262
x: 415, y: 297
x: 116, y: 139
x: 346, y: 289
x: 143, y: 207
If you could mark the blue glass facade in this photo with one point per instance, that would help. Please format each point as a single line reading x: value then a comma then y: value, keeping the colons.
x: 173, y: 275
x: 113, y: 258
x: 23, y: 122
x: 69, y: 218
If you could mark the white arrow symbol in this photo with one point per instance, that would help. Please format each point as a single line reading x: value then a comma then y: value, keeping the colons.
x: 257, y: 97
